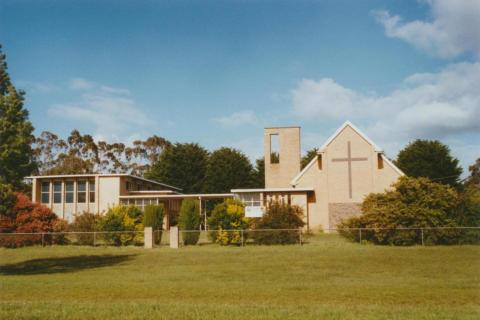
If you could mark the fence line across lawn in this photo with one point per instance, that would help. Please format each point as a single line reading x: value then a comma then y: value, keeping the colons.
x: 245, y: 236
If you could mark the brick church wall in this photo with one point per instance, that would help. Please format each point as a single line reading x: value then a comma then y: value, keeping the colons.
x: 339, y: 211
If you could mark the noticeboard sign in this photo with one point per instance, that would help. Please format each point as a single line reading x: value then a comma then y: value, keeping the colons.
x: 253, y: 212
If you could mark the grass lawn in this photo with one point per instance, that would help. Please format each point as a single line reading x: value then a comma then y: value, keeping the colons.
x: 326, y: 280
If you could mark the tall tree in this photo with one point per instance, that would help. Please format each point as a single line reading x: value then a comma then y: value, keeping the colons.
x: 182, y: 165
x: 474, y: 178
x: 81, y: 154
x: 16, y: 155
x: 227, y: 169
x: 430, y: 159
x: 258, y: 176
x: 308, y: 157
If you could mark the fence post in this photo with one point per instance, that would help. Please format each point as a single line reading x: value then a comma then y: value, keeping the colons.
x: 43, y: 240
x: 300, y: 235
x: 242, y: 238
x: 422, y: 238
x: 148, y: 237
x: 360, y: 235
x: 174, y: 237
x: 94, y: 239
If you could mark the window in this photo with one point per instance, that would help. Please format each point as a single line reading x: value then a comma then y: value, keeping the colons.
x: 82, y: 191
x: 274, y: 148
x: 128, y: 186
x: 69, y: 192
x: 379, y: 161
x: 57, y: 192
x: 91, y: 191
x: 45, y: 192
x: 319, y: 161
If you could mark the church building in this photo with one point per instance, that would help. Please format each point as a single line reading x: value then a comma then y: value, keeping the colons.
x: 346, y: 168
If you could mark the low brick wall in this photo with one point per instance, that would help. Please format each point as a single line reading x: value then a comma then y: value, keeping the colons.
x: 339, y: 211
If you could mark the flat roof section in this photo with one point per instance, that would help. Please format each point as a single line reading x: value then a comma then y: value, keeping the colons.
x: 181, y: 196
x: 89, y: 175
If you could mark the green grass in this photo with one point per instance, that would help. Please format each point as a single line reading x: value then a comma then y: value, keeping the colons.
x: 330, y: 279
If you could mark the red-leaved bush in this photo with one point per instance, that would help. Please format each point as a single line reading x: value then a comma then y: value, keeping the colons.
x: 30, y: 217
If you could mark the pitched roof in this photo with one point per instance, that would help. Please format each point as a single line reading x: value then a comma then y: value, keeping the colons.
x: 347, y: 123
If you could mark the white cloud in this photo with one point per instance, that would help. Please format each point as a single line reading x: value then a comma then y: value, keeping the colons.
x: 111, y: 111
x: 237, y: 119
x: 81, y: 84
x: 439, y: 105
x: 37, y: 87
x: 453, y: 30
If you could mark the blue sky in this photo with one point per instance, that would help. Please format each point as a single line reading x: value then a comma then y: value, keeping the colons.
x: 217, y: 72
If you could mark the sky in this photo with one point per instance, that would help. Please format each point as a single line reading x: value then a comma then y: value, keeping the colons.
x: 218, y: 72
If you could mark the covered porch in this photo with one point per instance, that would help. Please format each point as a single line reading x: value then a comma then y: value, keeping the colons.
x: 257, y: 200
x: 172, y: 203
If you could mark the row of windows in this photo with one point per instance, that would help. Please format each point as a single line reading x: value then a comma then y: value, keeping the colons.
x: 132, y: 186
x: 69, y: 192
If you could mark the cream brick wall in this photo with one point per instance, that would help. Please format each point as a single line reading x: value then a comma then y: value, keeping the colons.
x: 331, y: 183
x: 279, y: 175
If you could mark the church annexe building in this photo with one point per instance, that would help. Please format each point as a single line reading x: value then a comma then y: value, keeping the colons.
x: 347, y: 167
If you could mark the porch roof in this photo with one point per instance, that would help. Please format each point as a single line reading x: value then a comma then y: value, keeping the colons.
x: 272, y: 190
x: 180, y: 196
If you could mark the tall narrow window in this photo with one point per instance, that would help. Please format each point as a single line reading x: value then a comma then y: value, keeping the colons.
x: 91, y: 191
x: 57, y: 192
x: 319, y: 161
x: 69, y: 192
x: 81, y: 192
x: 380, y: 161
x: 274, y: 148
x: 45, y: 192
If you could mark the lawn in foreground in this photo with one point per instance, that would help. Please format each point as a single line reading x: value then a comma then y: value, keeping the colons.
x: 326, y: 280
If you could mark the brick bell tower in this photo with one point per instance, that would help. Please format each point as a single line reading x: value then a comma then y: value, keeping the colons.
x: 282, y: 155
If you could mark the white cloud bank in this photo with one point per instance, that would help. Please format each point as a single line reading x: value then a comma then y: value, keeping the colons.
x: 112, y: 112
x: 454, y: 28
x: 440, y: 105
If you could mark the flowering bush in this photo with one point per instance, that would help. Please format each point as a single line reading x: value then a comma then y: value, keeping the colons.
x: 228, y: 217
x: 122, y: 218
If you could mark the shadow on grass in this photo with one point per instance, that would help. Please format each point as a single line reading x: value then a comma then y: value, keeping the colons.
x: 62, y: 265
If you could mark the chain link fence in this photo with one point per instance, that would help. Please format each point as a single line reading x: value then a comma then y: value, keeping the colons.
x: 247, y: 237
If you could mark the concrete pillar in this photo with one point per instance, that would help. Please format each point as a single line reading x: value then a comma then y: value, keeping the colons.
x: 35, y: 190
x: 148, y: 237
x: 174, y: 237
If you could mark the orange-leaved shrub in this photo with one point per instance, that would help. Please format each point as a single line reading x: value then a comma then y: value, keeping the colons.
x: 29, y: 217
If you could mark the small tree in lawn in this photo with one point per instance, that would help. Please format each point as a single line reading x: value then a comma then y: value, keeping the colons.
x: 153, y: 217
x: 189, y: 220
x: 279, y: 216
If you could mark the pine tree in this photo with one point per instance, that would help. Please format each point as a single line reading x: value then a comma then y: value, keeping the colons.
x: 15, y: 131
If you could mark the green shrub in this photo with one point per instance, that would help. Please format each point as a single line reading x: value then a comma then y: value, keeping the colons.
x: 153, y: 217
x: 85, y: 222
x: 122, y: 218
x: 412, y: 203
x: 228, y: 217
x: 279, y: 216
x: 189, y: 220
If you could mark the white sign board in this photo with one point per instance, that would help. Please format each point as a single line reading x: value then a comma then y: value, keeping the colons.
x: 253, y: 212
